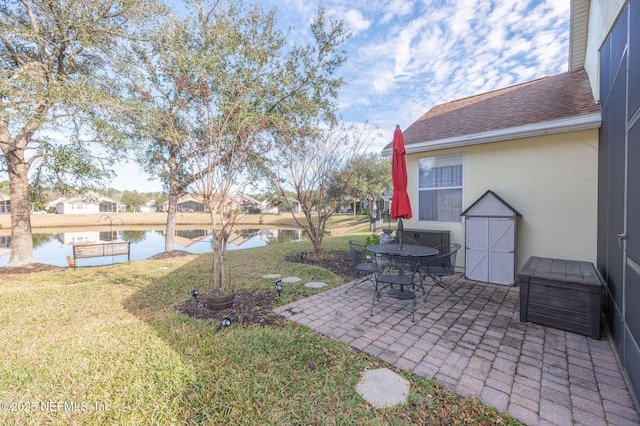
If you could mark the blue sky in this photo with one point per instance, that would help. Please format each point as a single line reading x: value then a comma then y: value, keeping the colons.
x: 406, y: 56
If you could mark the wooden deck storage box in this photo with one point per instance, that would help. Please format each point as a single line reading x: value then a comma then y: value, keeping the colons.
x: 565, y: 294
x: 429, y: 238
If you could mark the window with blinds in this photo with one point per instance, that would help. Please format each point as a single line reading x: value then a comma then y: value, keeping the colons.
x: 440, y: 188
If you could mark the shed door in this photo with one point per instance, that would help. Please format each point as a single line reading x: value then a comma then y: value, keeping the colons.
x: 501, y: 250
x: 477, y: 249
x: 490, y: 250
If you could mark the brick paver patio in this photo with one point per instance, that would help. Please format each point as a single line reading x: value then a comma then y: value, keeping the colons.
x: 540, y: 375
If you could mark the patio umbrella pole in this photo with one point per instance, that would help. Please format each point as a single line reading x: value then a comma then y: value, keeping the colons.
x: 400, y: 204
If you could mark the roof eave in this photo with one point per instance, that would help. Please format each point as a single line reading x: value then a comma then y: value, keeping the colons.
x: 578, y: 33
x: 581, y: 122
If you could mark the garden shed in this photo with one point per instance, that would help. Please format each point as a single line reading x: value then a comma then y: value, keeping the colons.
x: 490, y: 228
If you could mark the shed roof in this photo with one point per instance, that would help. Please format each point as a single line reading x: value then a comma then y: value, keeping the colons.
x: 524, y: 106
x: 493, y: 197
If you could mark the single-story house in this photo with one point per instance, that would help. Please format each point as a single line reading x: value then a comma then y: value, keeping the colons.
x: 563, y: 151
x: 266, y: 207
x: 85, y: 204
x: 5, y: 203
x: 195, y: 203
x: 291, y: 206
x: 187, y: 204
x: 244, y: 203
x: 149, y: 207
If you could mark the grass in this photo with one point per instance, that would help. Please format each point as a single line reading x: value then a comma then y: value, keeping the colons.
x: 103, y: 345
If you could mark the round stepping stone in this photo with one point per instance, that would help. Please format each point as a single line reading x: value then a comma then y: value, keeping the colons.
x: 291, y: 280
x: 315, y: 284
x: 383, y: 388
x: 271, y: 276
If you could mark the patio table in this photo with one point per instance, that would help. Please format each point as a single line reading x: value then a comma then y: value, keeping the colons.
x: 407, y: 250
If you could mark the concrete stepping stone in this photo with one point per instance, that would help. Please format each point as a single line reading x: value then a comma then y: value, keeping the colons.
x: 291, y: 280
x: 315, y: 284
x: 383, y: 388
x: 271, y: 276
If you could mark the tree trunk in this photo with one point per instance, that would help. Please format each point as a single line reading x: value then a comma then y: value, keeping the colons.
x: 218, y: 272
x: 319, y: 235
x: 21, y: 237
x: 170, y: 229
x: 317, y: 249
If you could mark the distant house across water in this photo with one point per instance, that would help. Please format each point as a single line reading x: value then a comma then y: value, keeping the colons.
x: 85, y: 204
x: 5, y: 203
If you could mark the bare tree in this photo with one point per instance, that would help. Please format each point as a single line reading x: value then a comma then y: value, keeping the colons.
x: 307, y: 163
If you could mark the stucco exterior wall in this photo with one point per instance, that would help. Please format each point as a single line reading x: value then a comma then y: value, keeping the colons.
x: 551, y: 180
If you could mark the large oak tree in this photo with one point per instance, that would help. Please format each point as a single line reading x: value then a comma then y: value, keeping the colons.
x: 59, y: 96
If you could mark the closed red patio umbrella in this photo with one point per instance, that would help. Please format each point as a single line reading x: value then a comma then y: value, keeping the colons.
x: 400, y: 204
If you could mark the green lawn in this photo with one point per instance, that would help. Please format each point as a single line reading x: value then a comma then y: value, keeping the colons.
x: 103, y: 345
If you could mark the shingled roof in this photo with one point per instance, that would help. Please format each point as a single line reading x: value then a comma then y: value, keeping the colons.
x: 549, y: 99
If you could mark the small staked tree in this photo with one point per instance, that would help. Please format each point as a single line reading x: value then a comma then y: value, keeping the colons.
x: 307, y: 164
x: 55, y: 76
x: 225, y: 148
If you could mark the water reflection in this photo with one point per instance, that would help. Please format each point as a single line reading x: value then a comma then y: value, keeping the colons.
x: 53, y: 248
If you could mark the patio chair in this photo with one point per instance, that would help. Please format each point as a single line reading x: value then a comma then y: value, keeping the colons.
x: 440, y: 266
x: 362, y: 262
x: 398, y: 271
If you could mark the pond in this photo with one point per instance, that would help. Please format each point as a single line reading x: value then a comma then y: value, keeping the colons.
x: 53, y: 248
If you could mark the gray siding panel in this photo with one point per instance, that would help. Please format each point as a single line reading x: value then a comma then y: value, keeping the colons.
x: 620, y: 101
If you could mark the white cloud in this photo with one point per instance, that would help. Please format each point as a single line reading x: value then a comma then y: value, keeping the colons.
x: 355, y: 21
x: 395, y: 9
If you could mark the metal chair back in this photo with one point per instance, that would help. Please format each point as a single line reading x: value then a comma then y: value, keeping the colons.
x: 440, y: 266
x: 361, y: 261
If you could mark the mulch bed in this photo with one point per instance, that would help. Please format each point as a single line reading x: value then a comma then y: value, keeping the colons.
x: 29, y: 269
x: 253, y: 307
x: 170, y: 254
x: 250, y: 307
x: 338, y: 262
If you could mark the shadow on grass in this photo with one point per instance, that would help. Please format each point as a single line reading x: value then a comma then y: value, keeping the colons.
x: 250, y: 374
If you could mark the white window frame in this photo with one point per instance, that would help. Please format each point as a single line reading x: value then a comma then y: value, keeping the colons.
x: 443, y: 159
